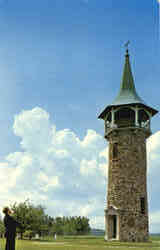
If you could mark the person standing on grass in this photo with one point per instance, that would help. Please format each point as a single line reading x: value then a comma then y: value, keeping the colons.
x: 55, y: 236
x: 10, y: 229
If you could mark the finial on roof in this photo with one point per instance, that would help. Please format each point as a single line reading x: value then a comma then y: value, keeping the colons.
x: 127, y: 93
x: 126, y: 45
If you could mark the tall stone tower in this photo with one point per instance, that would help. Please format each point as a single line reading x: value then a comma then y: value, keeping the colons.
x: 127, y: 126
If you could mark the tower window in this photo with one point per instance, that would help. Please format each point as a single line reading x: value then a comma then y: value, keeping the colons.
x: 142, y: 200
x: 115, y: 150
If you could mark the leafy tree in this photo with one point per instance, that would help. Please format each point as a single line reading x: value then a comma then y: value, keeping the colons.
x: 31, y: 217
x: 34, y: 220
x: 29, y: 234
x: 2, y: 228
x: 71, y: 225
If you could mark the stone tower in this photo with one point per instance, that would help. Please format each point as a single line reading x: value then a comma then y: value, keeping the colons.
x: 127, y: 126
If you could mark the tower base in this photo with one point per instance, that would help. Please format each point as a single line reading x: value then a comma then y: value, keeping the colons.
x: 125, y: 226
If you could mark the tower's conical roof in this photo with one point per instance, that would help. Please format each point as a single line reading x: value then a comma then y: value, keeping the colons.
x: 127, y: 93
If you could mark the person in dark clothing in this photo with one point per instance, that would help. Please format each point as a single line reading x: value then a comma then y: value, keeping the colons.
x: 10, y: 229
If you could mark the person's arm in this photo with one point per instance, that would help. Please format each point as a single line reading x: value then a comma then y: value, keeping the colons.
x: 17, y: 224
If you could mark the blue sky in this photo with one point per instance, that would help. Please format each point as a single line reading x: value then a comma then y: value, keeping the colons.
x: 62, y: 61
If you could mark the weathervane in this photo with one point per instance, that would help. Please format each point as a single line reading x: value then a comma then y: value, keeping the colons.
x: 126, y: 45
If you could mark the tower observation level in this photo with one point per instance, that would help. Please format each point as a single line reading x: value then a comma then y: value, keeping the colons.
x: 127, y: 126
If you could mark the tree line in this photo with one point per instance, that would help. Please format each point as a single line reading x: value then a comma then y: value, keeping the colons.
x: 34, y: 220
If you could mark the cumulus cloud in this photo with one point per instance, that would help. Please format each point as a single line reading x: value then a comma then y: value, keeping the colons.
x: 64, y: 173
x: 155, y: 222
x: 153, y: 149
x: 54, y: 167
x: 34, y: 128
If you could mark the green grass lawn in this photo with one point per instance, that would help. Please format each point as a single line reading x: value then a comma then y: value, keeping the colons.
x: 79, y: 243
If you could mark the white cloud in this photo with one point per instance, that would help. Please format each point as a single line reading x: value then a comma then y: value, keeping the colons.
x: 88, y: 167
x: 155, y: 222
x: 47, y: 182
x: 153, y: 147
x: 64, y: 173
x: 34, y: 128
x: 53, y: 167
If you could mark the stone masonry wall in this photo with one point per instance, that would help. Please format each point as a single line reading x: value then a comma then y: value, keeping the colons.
x: 127, y: 183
